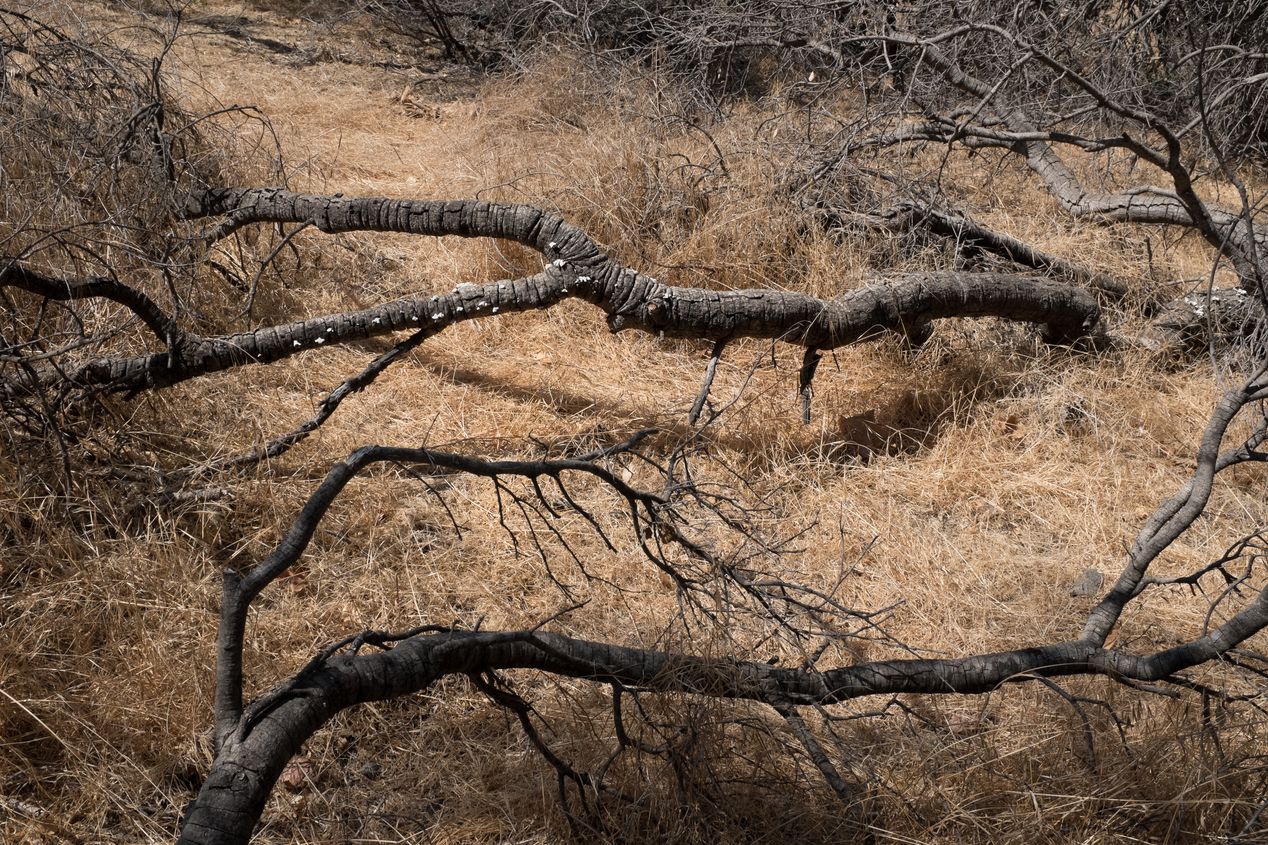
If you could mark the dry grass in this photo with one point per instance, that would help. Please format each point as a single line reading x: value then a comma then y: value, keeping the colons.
x: 973, y: 482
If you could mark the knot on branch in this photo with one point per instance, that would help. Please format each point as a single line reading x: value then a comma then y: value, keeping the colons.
x: 658, y: 312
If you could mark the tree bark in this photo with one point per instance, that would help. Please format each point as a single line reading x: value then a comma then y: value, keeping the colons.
x: 250, y: 761
x: 971, y: 234
x: 578, y: 268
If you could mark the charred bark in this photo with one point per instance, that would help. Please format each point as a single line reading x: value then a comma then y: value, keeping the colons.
x: 970, y: 234
x: 577, y: 268
x: 254, y: 742
x: 272, y: 731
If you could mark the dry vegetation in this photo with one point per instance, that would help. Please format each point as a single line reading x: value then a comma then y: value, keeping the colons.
x: 968, y: 485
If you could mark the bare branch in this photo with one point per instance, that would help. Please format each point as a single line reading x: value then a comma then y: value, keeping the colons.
x: 19, y: 276
x: 581, y: 270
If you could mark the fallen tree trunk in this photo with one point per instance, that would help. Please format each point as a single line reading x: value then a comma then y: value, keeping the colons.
x: 905, y: 306
x: 577, y: 268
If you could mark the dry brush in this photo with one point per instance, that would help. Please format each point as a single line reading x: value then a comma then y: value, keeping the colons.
x: 127, y: 320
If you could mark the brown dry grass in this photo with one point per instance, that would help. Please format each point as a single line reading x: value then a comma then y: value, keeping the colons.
x: 1013, y: 468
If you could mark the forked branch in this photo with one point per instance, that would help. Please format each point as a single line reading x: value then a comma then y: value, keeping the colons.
x: 578, y: 268
x: 254, y: 743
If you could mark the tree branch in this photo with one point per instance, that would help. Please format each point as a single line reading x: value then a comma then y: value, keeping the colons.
x: 247, y: 766
x: 1012, y: 129
x: 578, y: 268
x: 1178, y: 513
x: 965, y: 230
x: 155, y: 318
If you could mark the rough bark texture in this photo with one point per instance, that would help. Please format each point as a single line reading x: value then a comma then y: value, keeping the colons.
x: 635, y: 300
x: 255, y: 742
x: 578, y: 268
x: 251, y: 760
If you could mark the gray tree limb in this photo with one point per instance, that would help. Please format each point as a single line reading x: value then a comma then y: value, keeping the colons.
x: 25, y: 278
x: 577, y: 268
x: 247, y: 766
x: 963, y: 229
x: 1010, y: 127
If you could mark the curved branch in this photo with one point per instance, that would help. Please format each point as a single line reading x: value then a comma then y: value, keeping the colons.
x: 96, y: 287
x: 249, y: 763
x: 1178, y: 513
x: 239, y: 591
x: 578, y: 268
x: 422, y: 314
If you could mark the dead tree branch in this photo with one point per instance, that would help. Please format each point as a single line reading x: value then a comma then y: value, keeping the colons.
x: 971, y: 234
x: 995, y: 122
x: 255, y: 742
x: 578, y: 268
